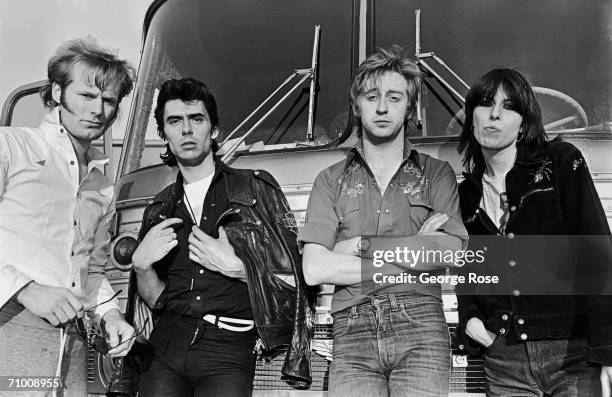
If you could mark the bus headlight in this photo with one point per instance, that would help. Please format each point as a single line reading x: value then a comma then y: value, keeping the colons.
x: 122, y: 249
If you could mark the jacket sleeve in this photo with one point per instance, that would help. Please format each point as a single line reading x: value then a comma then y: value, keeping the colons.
x: 468, y: 307
x: 137, y: 311
x: 468, y: 304
x: 97, y: 287
x: 296, y: 368
x: 130, y: 307
x: 585, y: 217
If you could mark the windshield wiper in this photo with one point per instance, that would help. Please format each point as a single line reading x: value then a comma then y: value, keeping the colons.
x: 307, y: 73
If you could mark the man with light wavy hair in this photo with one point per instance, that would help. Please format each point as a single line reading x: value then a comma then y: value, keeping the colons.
x: 56, y: 207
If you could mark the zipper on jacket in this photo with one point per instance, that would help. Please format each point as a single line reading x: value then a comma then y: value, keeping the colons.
x: 548, y: 189
x: 226, y: 213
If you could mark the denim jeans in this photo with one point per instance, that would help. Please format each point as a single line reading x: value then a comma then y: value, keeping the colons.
x: 219, y: 363
x: 29, y: 346
x: 394, y: 345
x: 556, y: 368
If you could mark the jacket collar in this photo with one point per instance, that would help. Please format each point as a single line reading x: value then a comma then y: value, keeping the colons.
x: 235, y: 182
x: 531, y: 154
x: 219, y: 168
x: 526, y: 155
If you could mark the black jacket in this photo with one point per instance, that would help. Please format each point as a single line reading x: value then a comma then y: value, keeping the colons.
x: 550, y: 193
x: 263, y: 231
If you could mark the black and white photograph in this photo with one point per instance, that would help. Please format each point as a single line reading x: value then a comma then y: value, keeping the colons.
x: 306, y: 198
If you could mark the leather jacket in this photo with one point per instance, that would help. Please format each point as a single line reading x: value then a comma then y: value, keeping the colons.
x: 262, y: 230
x: 550, y: 193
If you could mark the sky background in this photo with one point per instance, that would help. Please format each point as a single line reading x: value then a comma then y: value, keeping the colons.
x: 30, y: 30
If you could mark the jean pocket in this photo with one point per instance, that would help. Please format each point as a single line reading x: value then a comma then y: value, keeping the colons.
x: 234, y: 338
x: 495, y: 343
x: 425, y: 311
x: 342, y: 324
x: 407, y: 315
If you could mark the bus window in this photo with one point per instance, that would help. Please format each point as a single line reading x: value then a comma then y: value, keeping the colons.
x: 243, y: 53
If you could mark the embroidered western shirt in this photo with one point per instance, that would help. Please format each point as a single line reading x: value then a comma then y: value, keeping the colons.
x: 346, y: 202
x: 53, y: 229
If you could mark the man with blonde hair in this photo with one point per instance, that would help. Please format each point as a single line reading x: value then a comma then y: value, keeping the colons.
x: 389, y: 339
x: 56, y: 205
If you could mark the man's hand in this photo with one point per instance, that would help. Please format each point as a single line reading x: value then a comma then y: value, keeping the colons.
x: 215, y: 254
x: 348, y: 247
x: 118, y: 331
x: 55, y: 304
x: 155, y: 245
x: 476, y: 330
x: 433, y: 223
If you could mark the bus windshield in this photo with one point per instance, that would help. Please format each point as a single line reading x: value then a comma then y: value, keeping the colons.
x: 243, y: 50
x: 563, y: 48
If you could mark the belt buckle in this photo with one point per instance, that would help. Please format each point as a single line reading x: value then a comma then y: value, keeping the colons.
x: 222, y: 323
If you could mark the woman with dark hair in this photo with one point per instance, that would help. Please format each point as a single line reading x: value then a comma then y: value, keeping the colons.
x: 519, y: 183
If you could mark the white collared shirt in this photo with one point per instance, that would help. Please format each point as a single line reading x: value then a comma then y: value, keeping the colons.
x: 53, y: 230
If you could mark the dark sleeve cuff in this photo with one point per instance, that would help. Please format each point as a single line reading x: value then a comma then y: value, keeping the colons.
x: 600, y: 355
x: 467, y: 311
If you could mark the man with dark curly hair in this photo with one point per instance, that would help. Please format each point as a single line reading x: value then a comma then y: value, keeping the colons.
x: 217, y: 262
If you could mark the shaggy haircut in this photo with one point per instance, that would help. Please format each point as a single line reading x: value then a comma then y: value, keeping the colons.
x: 382, y: 61
x: 523, y: 101
x: 187, y: 90
x: 108, y: 71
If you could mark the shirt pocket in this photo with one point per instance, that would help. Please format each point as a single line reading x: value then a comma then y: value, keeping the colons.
x: 349, y: 219
x: 419, y: 211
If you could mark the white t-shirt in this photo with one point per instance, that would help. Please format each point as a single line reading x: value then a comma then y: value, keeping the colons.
x: 195, y: 193
x: 492, y: 201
